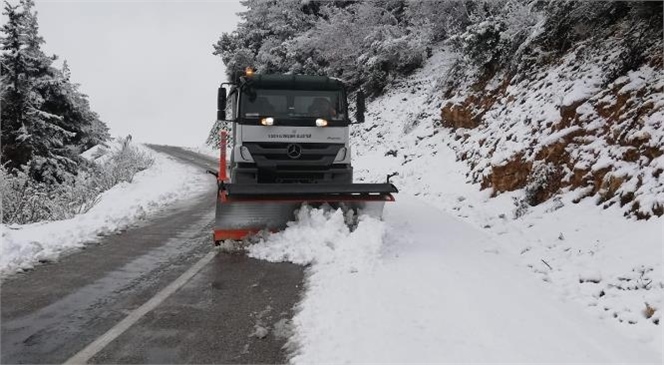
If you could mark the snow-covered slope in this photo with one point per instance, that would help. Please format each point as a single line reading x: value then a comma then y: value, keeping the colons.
x: 165, y: 182
x: 424, y: 286
x: 598, y: 258
x: 564, y: 281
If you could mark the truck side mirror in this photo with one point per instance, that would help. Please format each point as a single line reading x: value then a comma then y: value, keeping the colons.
x: 221, y: 104
x: 359, y: 111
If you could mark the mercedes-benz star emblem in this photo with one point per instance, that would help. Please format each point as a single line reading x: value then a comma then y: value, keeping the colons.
x: 294, y: 151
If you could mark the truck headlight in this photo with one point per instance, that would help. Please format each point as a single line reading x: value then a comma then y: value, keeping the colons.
x: 267, y: 121
x: 320, y: 122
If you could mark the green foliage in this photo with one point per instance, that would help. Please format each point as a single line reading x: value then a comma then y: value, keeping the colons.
x: 482, y: 44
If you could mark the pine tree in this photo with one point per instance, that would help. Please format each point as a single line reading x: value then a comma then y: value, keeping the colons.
x: 260, y: 39
x: 364, y: 43
x: 14, y: 91
x: 214, y: 137
x: 46, y: 120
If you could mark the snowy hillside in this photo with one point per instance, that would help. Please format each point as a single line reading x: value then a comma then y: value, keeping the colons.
x: 573, y: 124
x: 543, y: 97
x: 597, y: 258
x: 454, y: 274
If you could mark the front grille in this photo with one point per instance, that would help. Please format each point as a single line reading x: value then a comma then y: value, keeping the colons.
x: 275, y: 154
x: 284, y: 145
x: 279, y: 156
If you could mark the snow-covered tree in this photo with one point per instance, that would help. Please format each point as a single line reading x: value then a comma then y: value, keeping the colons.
x: 440, y: 18
x: 46, y: 120
x: 259, y: 38
x: 63, y: 98
x: 15, y: 89
x: 214, y: 138
x: 364, y: 43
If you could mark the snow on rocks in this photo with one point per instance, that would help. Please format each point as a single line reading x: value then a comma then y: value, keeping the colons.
x: 164, y: 183
x: 567, y: 242
x: 592, y: 132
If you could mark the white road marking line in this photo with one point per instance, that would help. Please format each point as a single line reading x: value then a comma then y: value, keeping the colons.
x: 97, y: 345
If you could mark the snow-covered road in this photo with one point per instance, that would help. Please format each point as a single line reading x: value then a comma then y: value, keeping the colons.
x: 424, y: 286
x: 421, y: 285
x: 70, y: 308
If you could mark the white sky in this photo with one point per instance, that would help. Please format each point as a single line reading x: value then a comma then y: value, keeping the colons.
x: 147, y: 67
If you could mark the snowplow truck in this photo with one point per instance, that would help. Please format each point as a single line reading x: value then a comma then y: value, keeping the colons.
x: 289, y: 146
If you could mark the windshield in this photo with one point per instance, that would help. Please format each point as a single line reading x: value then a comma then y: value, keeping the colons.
x: 292, y: 104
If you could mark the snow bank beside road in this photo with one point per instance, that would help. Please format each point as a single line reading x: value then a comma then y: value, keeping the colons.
x: 423, y: 286
x: 165, y: 182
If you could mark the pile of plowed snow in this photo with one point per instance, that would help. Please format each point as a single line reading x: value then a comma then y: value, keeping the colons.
x: 423, y: 286
x: 324, y: 236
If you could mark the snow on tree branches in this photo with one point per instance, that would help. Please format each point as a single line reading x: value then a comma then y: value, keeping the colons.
x: 46, y: 121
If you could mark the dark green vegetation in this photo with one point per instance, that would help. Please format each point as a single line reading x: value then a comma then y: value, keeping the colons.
x: 46, y: 121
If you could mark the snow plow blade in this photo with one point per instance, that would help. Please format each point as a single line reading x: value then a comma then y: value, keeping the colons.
x: 263, y: 190
x: 246, y: 209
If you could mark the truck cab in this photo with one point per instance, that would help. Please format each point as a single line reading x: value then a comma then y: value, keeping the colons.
x: 289, y: 129
x: 290, y: 146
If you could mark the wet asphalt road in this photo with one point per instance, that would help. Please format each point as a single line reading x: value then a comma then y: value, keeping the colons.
x: 54, y: 311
